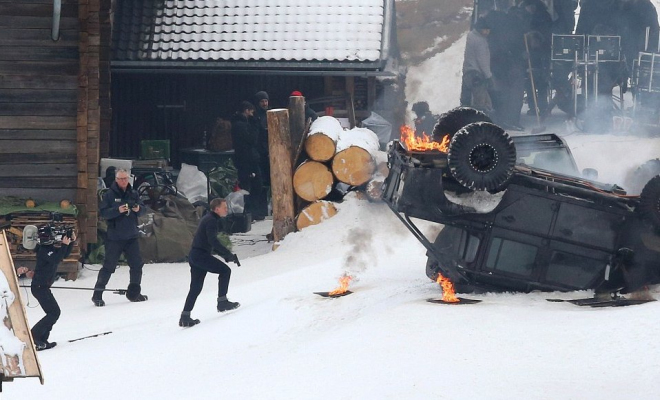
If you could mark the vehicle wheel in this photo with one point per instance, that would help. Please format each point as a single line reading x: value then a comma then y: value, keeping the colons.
x: 642, y: 175
x: 649, y: 203
x: 482, y: 157
x: 453, y: 120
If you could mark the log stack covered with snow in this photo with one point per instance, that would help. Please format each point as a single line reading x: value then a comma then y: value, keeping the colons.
x: 337, y: 161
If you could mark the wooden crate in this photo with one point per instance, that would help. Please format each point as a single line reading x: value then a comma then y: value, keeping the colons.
x: 28, y: 258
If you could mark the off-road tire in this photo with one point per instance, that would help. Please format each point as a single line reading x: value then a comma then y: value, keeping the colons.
x: 649, y: 203
x: 642, y: 175
x: 482, y: 156
x: 453, y: 120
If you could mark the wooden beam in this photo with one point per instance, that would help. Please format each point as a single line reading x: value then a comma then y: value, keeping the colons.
x: 16, y: 319
x: 296, y: 123
x: 279, y: 144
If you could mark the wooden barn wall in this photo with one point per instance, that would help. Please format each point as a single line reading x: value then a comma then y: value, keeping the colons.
x: 38, y: 100
x: 94, y: 17
x: 180, y: 107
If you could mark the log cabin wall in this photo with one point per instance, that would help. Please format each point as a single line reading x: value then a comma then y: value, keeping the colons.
x: 93, y: 16
x: 49, y: 104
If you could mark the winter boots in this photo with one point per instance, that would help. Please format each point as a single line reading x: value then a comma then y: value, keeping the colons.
x: 44, y: 345
x: 185, y: 321
x: 97, y: 298
x: 226, y: 305
x: 133, y: 293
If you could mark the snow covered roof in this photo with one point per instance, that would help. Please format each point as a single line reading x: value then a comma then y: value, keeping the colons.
x: 253, y: 30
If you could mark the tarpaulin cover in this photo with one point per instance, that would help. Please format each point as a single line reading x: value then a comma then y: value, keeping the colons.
x: 10, y: 204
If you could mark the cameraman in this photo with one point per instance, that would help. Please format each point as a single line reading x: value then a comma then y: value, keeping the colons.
x: 49, y: 257
x: 202, y: 261
x: 121, y: 206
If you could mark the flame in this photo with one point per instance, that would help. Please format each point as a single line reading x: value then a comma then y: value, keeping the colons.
x: 448, y: 293
x: 423, y: 143
x: 343, y: 285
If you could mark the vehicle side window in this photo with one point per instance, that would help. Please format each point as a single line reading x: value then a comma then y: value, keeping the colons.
x: 511, y: 257
x: 469, y: 247
x: 573, y: 270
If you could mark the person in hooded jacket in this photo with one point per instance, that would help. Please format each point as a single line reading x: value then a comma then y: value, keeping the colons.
x: 201, y: 260
x: 49, y: 257
x: 247, y: 159
x: 120, y: 207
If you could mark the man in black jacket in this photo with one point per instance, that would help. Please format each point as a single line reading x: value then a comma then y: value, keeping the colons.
x: 202, y: 261
x: 261, y: 101
x: 247, y: 159
x: 49, y: 257
x: 121, y: 206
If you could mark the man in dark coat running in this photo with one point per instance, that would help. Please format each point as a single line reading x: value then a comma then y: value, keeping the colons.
x: 49, y: 257
x: 202, y: 261
x: 120, y: 207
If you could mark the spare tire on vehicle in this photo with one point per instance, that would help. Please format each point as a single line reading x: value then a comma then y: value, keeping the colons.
x: 649, y: 203
x: 453, y: 120
x: 642, y: 175
x: 482, y: 157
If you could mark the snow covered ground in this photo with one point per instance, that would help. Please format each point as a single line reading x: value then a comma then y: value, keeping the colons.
x: 382, y: 342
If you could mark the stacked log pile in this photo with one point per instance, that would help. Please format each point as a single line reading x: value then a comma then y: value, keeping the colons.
x: 14, y: 224
x: 336, y: 158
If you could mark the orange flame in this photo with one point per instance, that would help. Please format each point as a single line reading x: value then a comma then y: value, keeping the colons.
x: 343, y: 285
x: 448, y: 294
x: 423, y: 143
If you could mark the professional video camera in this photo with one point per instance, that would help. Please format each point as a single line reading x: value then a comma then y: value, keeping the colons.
x: 50, y: 233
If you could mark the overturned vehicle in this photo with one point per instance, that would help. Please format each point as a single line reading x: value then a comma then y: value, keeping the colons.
x: 518, y: 215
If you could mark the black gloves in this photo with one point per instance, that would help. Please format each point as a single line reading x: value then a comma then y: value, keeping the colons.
x: 233, y: 258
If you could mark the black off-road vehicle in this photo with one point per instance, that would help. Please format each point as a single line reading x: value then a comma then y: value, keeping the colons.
x: 519, y: 216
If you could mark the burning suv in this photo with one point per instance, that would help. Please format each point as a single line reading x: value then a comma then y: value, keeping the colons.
x: 517, y: 213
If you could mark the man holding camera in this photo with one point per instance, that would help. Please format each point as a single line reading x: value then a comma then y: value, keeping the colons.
x: 49, y: 255
x: 120, y: 207
x: 202, y: 261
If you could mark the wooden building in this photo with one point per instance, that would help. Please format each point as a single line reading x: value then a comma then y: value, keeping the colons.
x: 50, y: 84
x: 179, y: 65
x: 66, y: 100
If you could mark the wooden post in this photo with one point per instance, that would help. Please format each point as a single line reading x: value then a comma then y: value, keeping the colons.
x: 281, y: 179
x: 25, y: 364
x: 296, y: 124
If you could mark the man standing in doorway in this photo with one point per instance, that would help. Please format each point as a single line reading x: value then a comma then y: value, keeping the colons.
x: 261, y: 101
x: 120, y: 207
x: 202, y: 261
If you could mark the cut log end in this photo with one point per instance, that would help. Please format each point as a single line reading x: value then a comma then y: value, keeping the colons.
x: 315, y: 213
x: 320, y: 147
x: 312, y: 181
x: 353, y: 166
x: 374, y: 189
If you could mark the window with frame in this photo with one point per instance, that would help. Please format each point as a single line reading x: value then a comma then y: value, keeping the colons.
x: 511, y: 257
x: 573, y: 270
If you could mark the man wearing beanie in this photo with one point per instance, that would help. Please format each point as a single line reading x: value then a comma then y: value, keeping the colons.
x: 261, y: 101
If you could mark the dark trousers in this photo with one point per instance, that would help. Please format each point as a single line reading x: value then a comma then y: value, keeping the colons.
x: 113, y: 250
x: 256, y: 202
x: 41, y: 330
x: 202, y: 262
